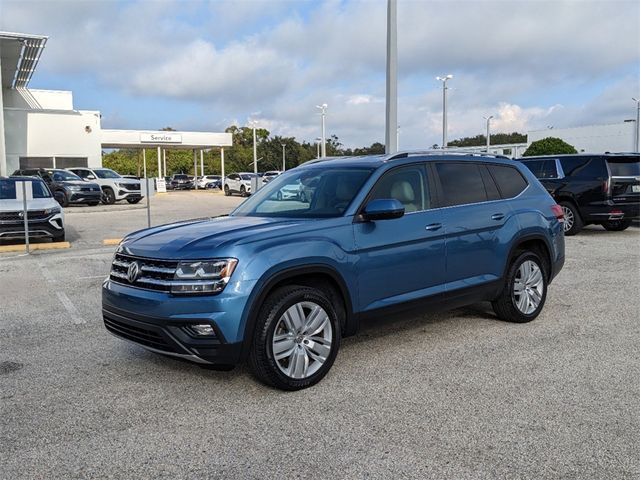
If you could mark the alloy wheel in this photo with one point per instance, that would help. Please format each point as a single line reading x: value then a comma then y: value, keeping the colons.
x: 569, y: 218
x: 528, y: 287
x: 302, y: 340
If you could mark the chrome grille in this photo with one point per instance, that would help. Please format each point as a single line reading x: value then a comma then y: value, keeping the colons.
x: 17, y: 216
x: 132, y: 187
x: 154, y: 274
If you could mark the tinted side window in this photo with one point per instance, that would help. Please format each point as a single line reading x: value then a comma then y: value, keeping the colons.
x: 489, y: 184
x: 548, y: 169
x: 510, y: 181
x: 405, y: 184
x: 535, y: 166
x: 461, y: 183
x: 584, y: 167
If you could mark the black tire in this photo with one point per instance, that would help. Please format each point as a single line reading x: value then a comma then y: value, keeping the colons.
x: 505, y: 305
x: 243, y: 191
x: 572, y: 221
x: 133, y: 200
x: 227, y: 192
x: 62, y: 198
x: 108, y: 197
x: 261, y: 358
x: 93, y: 204
x: 616, y: 225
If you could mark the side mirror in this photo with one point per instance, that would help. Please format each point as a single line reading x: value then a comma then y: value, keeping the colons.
x: 90, y: 177
x: 383, y: 209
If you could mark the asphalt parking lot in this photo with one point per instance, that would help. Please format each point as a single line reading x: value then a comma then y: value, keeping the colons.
x: 439, y: 395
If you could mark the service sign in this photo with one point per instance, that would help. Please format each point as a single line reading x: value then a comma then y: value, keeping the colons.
x: 161, y: 185
x: 160, y: 137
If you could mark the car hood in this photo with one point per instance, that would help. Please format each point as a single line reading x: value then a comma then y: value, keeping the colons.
x: 76, y: 183
x: 199, y: 238
x: 35, y: 204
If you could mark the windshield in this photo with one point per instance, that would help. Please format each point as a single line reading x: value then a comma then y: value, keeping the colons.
x: 106, y: 173
x: 624, y: 166
x: 306, y: 193
x: 8, y: 189
x: 247, y: 176
x: 64, y: 176
x: 180, y: 177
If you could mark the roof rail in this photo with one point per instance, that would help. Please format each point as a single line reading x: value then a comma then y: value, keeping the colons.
x: 409, y: 153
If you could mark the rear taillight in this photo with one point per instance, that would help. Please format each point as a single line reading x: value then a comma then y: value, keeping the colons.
x: 558, y: 212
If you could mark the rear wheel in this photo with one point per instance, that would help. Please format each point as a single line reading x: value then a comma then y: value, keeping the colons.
x: 572, y: 221
x: 297, y: 338
x: 524, y: 291
x: 108, y: 197
x: 227, y: 192
x: 616, y: 225
x: 243, y: 191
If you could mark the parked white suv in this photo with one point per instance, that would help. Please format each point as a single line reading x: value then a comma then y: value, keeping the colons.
x: 114, y: 186
x: 270, y: 175
x: 238, y: 183
x: 44, y: 214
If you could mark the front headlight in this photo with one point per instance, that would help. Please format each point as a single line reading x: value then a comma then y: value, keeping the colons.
x: 49, y: 211
x: 203, y: 276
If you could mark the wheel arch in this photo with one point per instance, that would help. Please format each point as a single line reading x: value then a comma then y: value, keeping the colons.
x: 308, y: 275
x: 532, y: 242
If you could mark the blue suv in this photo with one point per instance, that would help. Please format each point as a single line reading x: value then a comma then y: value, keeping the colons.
x: 283, y: 278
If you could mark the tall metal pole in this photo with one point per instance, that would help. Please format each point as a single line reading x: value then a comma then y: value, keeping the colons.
x: 444, y: 80
x: 164, y: 154
x: 159, y: 163
x: 195, y: 169
x: 202, y: 163
x: 284, y: 164
x: 637, y: 124
x: 25, y: 217
x: 323, y: 112
x: 146, y: 179
x: 318, y: 140
x: 222, y: 166
x: 391, y: 134
x: 255, y: 151
x: 488, y: 119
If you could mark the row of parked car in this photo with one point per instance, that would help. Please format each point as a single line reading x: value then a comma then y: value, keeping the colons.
x: 235, y: 183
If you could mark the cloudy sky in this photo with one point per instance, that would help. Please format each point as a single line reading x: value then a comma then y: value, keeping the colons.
x: 197, y: 65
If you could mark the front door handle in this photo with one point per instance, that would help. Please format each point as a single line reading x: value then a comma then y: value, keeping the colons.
x: 434, y: 226
x: 497, y: 216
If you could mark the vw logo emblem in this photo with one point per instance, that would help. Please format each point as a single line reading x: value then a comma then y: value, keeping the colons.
x: 133, y: 271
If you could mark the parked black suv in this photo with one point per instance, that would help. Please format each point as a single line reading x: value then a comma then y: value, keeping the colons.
x: 599, y: 189
x: 181, y: 182
x: 67, y: 187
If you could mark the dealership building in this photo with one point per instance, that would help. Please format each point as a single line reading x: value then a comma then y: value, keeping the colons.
x: 41, y: 128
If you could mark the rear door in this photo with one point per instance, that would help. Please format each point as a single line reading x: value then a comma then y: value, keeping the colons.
x: 474, y: 213
x: 401, y: 259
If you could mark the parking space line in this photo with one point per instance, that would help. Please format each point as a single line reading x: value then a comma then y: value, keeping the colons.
x: 35, y: 246
x: 111, y: 241
x: 70, y: 308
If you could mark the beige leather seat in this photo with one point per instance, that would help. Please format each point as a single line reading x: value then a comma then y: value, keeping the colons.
x: 403, y: 192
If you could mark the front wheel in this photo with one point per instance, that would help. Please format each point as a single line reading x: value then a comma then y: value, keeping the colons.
x: 108, y: 196
x: 616, y: 225
x: 227, y: 192
x: 524, y: 291
x: 243, y: 191
x: 297, y: 338
x: 133, y: 200
x: 62, y: 198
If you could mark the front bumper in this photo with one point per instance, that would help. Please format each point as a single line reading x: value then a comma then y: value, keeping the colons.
x: 50, y: 227
x: 165, y: 319
x: 85, y: 197
x: 171, y: 338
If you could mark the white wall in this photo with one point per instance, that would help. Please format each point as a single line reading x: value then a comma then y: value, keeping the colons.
x: 616, y: 137
x: 33, y: 133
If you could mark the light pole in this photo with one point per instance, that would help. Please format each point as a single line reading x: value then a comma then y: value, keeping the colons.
x: 255, y: 150
x: 488, y: 119
x: 444, y: 79
x: 392, y: 78
x: 398, y: 138
x: 284, y: 165
x: 318, y: 140
x: 323, y: 112
x: 637, y: 124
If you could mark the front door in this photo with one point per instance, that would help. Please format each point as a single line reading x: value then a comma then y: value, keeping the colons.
x: 401, y: 259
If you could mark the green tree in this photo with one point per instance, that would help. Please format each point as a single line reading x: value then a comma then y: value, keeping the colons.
x: 549, y: 146
x: 496, y: 139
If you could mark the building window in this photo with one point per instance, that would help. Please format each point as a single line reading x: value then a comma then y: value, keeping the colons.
x: 36, y: 162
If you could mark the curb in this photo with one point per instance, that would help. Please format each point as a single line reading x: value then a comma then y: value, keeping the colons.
x: 35, y: 246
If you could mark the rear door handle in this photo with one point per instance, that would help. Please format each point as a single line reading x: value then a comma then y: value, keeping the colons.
x: 434, y: 226
x: 497, y: 216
